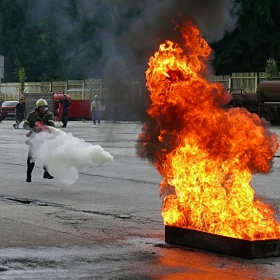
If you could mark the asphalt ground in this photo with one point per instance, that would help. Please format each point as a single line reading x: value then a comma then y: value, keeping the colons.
x: 108, y: 224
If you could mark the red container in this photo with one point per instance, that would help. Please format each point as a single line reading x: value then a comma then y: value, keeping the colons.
x: 80, y: 109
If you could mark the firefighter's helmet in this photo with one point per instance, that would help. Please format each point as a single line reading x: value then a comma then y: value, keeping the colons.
x: 41, y: 102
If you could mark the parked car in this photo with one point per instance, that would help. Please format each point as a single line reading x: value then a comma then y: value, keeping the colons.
x: 8, y: 109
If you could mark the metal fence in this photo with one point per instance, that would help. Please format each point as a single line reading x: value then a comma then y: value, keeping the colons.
x: 246, y: 81
x: 86, y: 89
x: 123, y: 100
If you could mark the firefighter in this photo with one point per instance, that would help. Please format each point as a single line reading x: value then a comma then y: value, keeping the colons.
x: 35, y: 122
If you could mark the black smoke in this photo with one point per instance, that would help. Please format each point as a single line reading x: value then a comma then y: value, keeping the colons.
x: 126, y: 33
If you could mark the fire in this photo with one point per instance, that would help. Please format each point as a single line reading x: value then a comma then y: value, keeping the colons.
x: 205, y: 153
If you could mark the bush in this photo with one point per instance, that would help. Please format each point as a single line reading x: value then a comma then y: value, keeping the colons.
x: 271, y: 69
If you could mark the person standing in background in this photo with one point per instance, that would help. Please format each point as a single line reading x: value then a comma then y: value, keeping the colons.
x: 66, y: 103
x: 19, y: 112
x: 95, y: 110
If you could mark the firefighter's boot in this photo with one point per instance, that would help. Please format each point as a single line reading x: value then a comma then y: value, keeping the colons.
x: 47, y: 175
x: 30, y: 166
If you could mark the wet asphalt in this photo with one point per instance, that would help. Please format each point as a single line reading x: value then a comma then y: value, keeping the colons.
x: 108, y: 224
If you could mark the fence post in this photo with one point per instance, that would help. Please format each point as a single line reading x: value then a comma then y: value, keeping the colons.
x: 229, y: 82
x: 256, y: 80
x: 101, y: 87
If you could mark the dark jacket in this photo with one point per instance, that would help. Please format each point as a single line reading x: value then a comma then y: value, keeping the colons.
x: 20, y: 108
x: 65, y: 103
x: 32, y: 117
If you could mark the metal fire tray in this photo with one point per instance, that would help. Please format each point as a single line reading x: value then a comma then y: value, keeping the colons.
x: 248, y: 249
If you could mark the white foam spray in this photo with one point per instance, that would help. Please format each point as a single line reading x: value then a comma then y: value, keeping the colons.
x: 65, y: 155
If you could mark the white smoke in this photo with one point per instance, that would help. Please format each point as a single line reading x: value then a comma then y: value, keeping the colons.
x: 65, y: 155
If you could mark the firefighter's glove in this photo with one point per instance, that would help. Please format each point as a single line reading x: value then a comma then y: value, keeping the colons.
x: 39, y: 126
x: 28, y: 134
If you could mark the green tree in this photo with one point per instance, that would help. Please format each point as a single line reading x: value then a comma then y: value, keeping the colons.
x: 30, y: 37
x: 255, y: 39
x: 12, y: 40
x: 271, y: 69
x: 22, y: 79
x: 43, y: 62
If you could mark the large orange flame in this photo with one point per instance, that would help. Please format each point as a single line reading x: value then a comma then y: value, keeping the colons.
x: 205, y: 153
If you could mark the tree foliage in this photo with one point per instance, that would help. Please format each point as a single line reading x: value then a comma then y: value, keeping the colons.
x: 271, y: 69
x: 22, y: 79
x: 255, y: 39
